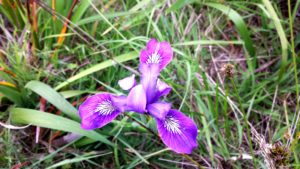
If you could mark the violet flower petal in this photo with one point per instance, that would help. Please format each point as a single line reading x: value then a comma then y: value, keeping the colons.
x: 162, y: 89
x: 97, y: 110
x: 127, y: 83
x: 136, y: 100
x: 149, y: 80
x: 157, y: 53
x: 120, y: 102
x: 178, y: 132
x: 159, y: 110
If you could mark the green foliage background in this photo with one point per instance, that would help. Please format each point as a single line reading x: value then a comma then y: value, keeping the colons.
x: 235, y: 73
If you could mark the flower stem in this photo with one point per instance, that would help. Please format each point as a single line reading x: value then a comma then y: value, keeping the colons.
x: 193, y: 161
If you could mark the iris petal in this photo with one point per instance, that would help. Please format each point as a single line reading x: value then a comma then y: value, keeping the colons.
x: 149, y: 80
x: 162, y: 89
x: 178, y: 132
x: 136, y: 100
x: 120, y: 102
x: 97, y: 110
x: 127, y: 83
x: 157, y: 53
x: 159, y: 109
x: 166, y: 53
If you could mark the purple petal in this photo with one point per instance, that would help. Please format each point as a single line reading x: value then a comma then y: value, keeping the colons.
x: 152, y: 45
x: 178, y: 132
x: 97, y: 110
x: 157, y: 53
x: 127, y: 83
x: 136, y: 100
x: 162, y: 89
x: 120, y: 102
x: 159, y: 109
x: 166, y: 54
x: 149, y: 80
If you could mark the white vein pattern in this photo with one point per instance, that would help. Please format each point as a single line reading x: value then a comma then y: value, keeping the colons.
x: 172, y: 125
x: 104, y: 108
x: 154, y: 57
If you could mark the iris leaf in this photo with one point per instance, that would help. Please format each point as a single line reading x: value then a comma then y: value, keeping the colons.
x: 53, y: 97
x: 47, y: 120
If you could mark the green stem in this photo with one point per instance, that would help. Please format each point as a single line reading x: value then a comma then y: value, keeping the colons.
x: 193, y: 161
x: 225, y: 108
x: 294, y: 127
x: 245, y: 121
x: 293, y: 54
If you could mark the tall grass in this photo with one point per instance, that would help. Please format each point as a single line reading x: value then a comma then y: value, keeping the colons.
x: 235, y: 73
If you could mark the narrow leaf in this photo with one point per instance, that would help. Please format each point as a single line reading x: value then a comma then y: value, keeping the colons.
x: 239, y: 24
x: 47, y: 120
x: 100, y: 66
x: 53, y: 97
x: 12, y: 94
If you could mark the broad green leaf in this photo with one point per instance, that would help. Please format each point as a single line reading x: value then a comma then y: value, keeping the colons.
x: 11, y: 94
x: 47, y: 120
x: 100, y: 66
x: 53, y: 97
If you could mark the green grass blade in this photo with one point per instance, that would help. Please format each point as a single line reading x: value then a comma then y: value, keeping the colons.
x: 209, y: 42
x: 76, y: 160
x: 80, y: 10
x: 281, y: 34
x: 137, y: 161
x: 239, y: 24
x: 188, y: 84
x: 95, y: 18
x: 47, y: 120
x: 72, y: 93
x: 134, y: 151
x: 11, y: 94
x: 53, y: 97
x: 179, y: 4
x: 100, y: 66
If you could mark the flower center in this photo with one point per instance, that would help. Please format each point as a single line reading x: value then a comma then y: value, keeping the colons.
x: 172, y: 125
x: 104, y: 108
x: 154, y: 58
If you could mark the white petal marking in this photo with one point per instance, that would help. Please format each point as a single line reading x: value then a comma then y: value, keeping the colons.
x: 154, y: 57
x: 172, y: 125
x: 104, y: 108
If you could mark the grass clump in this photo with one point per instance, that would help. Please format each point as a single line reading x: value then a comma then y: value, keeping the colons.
x: 235, y: 73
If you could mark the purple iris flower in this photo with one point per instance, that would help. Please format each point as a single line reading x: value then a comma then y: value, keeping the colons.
x: 176, y: 130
